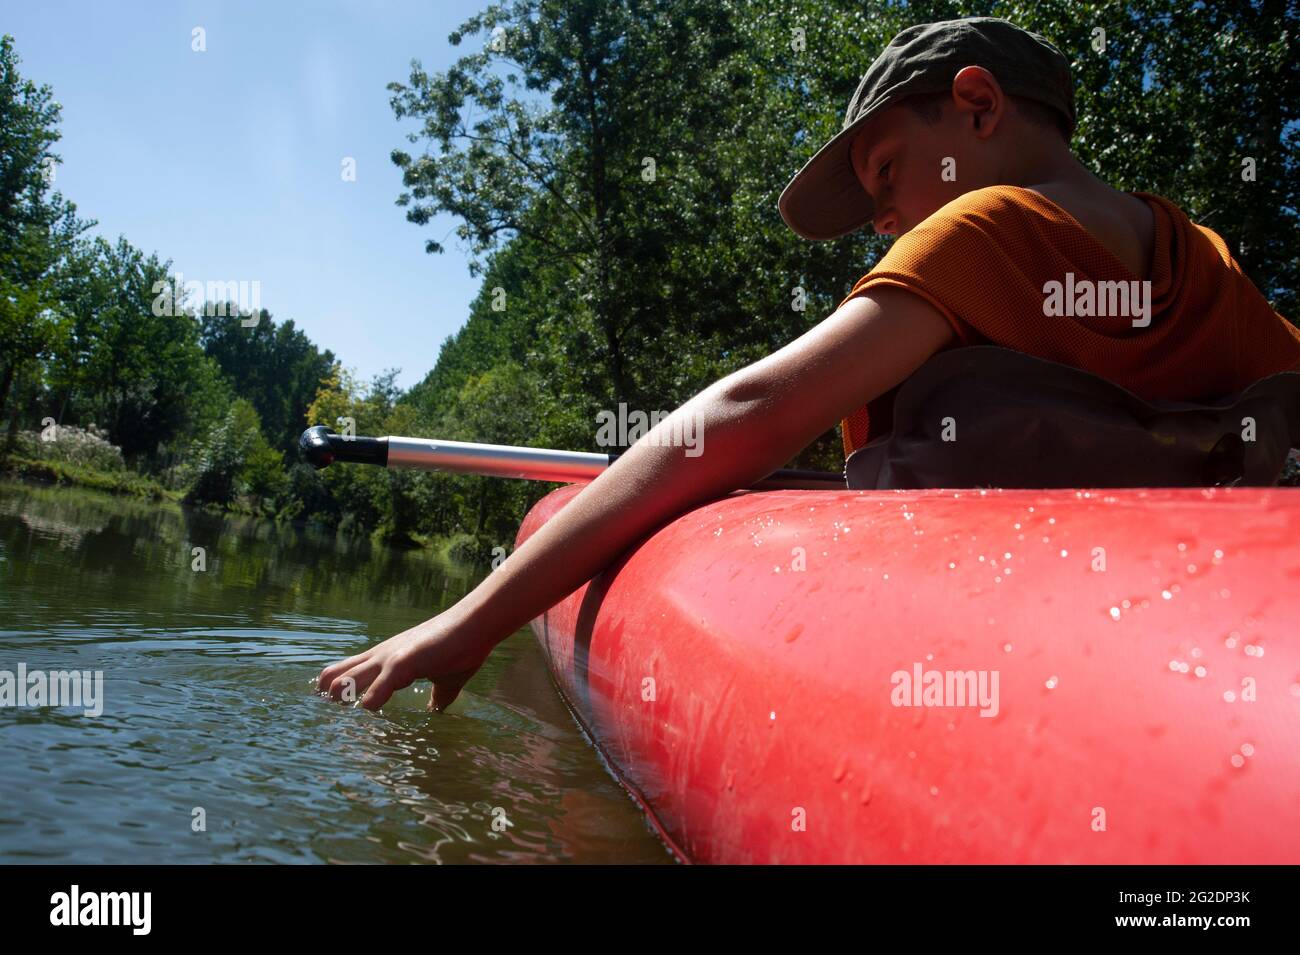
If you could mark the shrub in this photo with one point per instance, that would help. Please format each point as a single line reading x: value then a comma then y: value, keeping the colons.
x: 65, y: 444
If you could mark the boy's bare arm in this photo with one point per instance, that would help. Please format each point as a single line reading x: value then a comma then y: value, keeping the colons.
x: 753, y: 422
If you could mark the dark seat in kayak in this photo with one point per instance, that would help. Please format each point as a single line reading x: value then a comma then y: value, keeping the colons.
x: 984, y: 416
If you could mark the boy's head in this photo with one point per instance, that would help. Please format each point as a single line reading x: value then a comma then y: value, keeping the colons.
x: 981, y: 92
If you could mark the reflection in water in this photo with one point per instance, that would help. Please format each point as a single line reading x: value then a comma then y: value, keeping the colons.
x: 210, y: 717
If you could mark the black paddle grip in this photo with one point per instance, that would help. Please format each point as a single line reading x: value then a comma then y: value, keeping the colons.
x: 321, y: 447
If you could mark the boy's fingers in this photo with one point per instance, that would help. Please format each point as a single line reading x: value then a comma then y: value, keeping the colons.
x: 381, y: 689
x: 350, y: 685
x: 447, y: 688
x: 331, y: 672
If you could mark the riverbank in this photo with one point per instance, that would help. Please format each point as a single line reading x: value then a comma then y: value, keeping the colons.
x: 125, y: 483
x: 460, y: 548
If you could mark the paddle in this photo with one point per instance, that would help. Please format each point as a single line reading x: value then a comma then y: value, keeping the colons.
x: 321, y: 447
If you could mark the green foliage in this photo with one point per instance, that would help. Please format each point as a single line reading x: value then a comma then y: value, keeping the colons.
x: 606, y: 278
x: 276, y: 367
x: 618, y: 288
x: 37, y: 226
x: 141, y: 375
x: 126, y: 483
x: 236, y: 460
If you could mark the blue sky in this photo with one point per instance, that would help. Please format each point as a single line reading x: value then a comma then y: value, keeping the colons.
x: 228, y: 161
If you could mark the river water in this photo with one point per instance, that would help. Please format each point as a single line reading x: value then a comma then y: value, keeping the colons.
x: 212, y: 745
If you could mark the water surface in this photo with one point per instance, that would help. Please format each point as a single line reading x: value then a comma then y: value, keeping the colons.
x: 209, y: 704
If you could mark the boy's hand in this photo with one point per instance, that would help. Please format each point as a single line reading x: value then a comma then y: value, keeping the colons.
x: 441, y: 649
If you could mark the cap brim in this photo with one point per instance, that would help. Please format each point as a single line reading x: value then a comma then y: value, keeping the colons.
x: 825, y: 200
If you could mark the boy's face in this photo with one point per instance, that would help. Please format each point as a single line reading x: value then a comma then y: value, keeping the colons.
x: 899, y: 159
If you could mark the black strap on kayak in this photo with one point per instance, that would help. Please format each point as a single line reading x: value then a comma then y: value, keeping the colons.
x: 984, y: 416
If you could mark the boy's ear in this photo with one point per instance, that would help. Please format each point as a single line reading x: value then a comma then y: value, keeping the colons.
x: 977, y: 93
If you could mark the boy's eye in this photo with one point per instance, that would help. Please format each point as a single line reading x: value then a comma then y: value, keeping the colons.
x: 880, y: 173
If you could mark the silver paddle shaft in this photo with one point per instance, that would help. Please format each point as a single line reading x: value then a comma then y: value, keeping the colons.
x: 543, y: 464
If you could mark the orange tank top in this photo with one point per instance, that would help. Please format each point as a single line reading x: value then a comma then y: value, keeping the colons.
x: 1007, y: 266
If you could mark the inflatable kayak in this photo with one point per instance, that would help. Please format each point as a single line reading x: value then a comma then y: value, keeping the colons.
x: 950, y: 676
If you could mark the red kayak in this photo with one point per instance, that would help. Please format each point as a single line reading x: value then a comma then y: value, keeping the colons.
x: 951, y: 676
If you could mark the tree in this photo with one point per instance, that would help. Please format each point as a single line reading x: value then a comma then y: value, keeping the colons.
x: 140, y: 374
x: 37, y: 227
x: 235, y: 459
x: 276, y: 367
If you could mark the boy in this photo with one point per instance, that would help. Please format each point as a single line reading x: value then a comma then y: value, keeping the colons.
x: 957, y: 141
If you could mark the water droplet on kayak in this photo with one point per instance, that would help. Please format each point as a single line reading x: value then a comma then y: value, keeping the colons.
x: 1218, y: 556
x: 1167, y: 595
x: 934, y: 790
x: 951, y: 565
x: 1006, y: 648
x: 1006, y: 556
x: 866, y: 795
x: 1231, y: 641
x: 929, y: 656
x: 911, y: 754
x: 1247, y: 749
x: 1051, y: 683
x: 1051, y: 520
x: 793, y: 635
x: 1114, y: 613
x: 1065, y: 553
x: 1181, y: 547
x: 772, y: 715
x: 1201, y: 671
x: 1238, y: 760
x: 840, y: 768
x: 1229, y: 696
x: 1196, y: 653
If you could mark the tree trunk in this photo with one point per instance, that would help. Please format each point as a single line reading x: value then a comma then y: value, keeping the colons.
x: 6, y: 382
x: 482, y: 507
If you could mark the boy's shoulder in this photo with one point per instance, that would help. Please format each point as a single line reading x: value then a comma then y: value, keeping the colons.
x: 988, y: 205
x: 992, y: 199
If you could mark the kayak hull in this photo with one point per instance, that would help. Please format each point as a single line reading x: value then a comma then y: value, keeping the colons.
x: 950, y: 676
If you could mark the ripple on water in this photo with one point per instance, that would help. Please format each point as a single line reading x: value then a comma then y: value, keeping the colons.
x: 208, y: 711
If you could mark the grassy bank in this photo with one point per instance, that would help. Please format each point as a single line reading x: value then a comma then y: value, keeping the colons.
x: 126, y: 483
